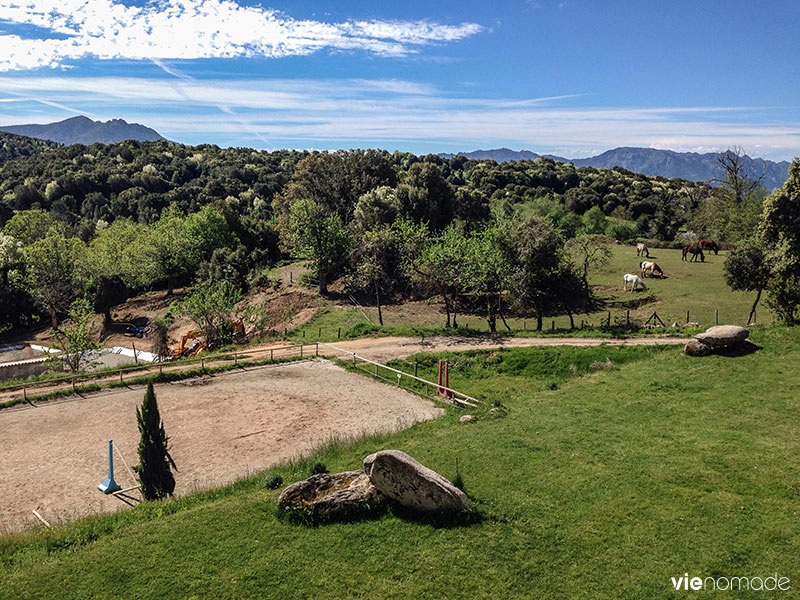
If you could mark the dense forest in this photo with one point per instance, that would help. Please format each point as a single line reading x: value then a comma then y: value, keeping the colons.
x: 111, y: 220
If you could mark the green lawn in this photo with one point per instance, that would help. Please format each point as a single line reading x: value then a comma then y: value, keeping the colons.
x: 597, y: 483
x: 698, y: 288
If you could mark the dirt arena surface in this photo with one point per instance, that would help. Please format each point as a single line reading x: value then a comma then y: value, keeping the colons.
x: 220, y: 429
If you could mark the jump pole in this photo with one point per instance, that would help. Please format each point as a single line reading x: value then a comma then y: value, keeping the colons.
x: 109, y: 486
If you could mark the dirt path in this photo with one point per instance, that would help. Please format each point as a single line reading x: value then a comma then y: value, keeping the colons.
x: 220, y: 429
x: 387, y: 348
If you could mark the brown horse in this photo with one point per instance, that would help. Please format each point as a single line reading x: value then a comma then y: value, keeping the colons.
x: 641, y: 250
x: 709, y: 245
x: 694, y: 251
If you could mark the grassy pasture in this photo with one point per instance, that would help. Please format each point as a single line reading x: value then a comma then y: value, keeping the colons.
x: 699, y: 288
x: 602, y: 481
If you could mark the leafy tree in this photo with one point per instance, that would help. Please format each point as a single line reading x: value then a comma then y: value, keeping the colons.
x: 439, y: 266
x: 212, y: 305
x: 320, y: 237
x: 747, y: 269
x: 376, y: 257
x: 53, y: 271
x: 588, y: 251
x: 28, y: 226
x: 488, y: 270
x: 76, y: 339
x: 425, y: 196
x: 535, y: 255
x: 780, y: 233
x: 377, y: 207
x: 595, y: 221
x: 10, y: 256
x: 115, y: 266
x: 155, y: 462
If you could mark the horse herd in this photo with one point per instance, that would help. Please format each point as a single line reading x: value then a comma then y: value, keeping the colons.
x: 649, y: 267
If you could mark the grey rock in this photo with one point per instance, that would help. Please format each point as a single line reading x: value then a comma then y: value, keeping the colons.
x: 696, y: 348
x: 412, y: 484
x: 329, y: 495
x: 723, y: 335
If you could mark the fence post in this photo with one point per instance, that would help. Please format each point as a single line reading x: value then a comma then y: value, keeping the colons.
x: 24, y: 393
x: 553, y: 325
x: 316, y: 352
x: 319, y: 332
x: 716, y: 316
x: 202, y: 365
x: 120, y: 375
x: 416, y: 364
x: 628, y: 318
x: 160, y: 369
x: 304, y: 333
x: 523, y: 324
x: 687, y: 316
x: 301, y: 350
x: 270, y: 354
x: 376, y: 370
x: 609, y: 318
x: 354, y: 360
x: 235, y: 358
x: 135, y: 358
x: 339, y: 335
x: 291, y: 277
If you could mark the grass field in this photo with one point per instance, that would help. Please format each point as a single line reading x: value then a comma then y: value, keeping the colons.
x: 601, y: 481
x: 698, y: 288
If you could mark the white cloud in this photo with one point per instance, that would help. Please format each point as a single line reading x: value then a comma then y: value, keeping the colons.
x: 191, y: 29
x: 393, y: 113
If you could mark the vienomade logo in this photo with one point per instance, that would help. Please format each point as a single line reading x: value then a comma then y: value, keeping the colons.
x: 767, y: 584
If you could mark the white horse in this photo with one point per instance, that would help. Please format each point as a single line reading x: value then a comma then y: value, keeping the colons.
x: 634, y: 280
x: 641, y: 250
x: 651, y: 267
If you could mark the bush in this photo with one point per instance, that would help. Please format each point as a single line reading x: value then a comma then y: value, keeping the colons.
x: 273, y: 481
x: 318, y: 467
x: 624, y: 232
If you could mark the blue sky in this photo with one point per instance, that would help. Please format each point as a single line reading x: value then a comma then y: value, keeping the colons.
x: 568, y: 77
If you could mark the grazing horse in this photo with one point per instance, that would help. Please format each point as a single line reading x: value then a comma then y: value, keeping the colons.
x: 694, y: 251
x: 651, y: 267
x: 634, y: 280
x: 709, y: 245
x: 641, y: 250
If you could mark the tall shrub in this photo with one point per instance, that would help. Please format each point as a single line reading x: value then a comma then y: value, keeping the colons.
x: 154, y: 459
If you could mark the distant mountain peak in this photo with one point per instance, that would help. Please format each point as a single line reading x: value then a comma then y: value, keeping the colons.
x: 83, y: 130
x: 691, y: 166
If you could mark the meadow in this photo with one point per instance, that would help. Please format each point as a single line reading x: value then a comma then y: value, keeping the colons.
x: 607, y: 472
x: 698, y: 288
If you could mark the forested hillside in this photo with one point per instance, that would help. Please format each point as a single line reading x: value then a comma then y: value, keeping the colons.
x: 131, y: 216
x: 15, y: 146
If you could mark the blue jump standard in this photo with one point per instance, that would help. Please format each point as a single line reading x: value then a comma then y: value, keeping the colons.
x: 109, y: 486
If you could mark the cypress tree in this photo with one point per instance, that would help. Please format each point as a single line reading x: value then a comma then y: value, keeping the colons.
x: 154, y: 459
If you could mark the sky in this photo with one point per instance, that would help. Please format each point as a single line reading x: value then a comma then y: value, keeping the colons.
x: 567, y: 77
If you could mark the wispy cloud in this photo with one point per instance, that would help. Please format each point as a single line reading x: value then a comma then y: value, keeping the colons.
x: 399, y: 114
x: 191, y: 29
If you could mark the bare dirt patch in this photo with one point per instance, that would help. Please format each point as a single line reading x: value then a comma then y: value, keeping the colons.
x: 221, y: 429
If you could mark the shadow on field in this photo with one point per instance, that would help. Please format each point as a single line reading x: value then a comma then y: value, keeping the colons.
x: 741, y: 349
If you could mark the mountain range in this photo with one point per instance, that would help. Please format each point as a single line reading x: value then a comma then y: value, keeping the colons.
x: 649, y: 161
x: 82, y: 130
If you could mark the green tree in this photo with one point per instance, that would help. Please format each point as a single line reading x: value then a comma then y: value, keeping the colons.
x: 747, y: 269
x: 588, y: 251
x: 212, y: 306
x: 28, y: 226
x: 76, y: 339
x: 376, y: 257
x: 488, y: 270
x: 155, y: 462
x: 780, y: 232
x: 595, y: 221
x: 53, y: 271
x: 10, y: 256
x: 320, y: 237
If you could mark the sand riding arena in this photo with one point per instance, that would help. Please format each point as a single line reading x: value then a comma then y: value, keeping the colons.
x: 220, y: 428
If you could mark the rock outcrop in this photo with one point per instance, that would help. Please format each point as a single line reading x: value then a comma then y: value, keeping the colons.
x: 696, y: 348
x: 328, y: 496
x: 410, y: 483
x: 723, y: 335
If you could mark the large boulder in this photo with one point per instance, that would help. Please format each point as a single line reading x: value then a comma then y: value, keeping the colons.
x: 697, y: 348
x: 328, y: 496
x: 723, y: 335
x: 412, y: 484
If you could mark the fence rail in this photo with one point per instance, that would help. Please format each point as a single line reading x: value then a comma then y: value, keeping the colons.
x: 113, y: 375
x: 457, y: 397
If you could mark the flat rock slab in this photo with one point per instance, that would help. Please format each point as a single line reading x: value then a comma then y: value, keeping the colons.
x: 412, y: 484
x: 723, y: 335
x: 328, y: 496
